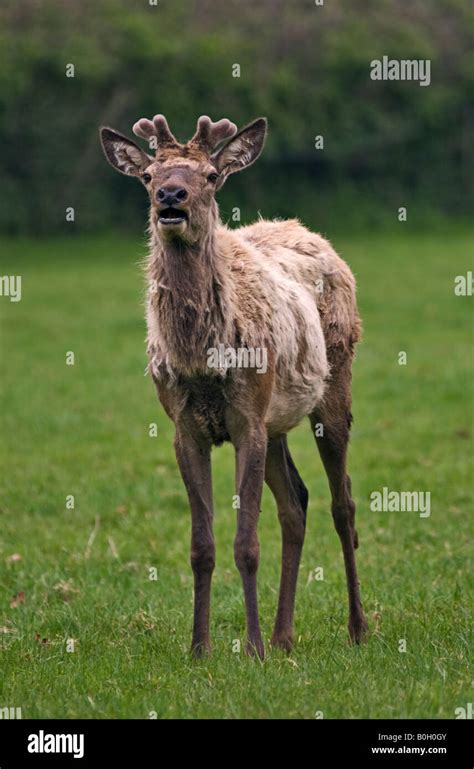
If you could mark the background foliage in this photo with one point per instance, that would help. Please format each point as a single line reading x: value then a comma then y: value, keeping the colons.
x: 306, y: 67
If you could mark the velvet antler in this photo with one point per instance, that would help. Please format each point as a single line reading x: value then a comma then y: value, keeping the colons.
x: 208, y: 134
x: 158, y: 127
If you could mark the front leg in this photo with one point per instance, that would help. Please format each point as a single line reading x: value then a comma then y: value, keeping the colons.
x: 250, y: 466
x: 194, y: 460
x: 245, y: 420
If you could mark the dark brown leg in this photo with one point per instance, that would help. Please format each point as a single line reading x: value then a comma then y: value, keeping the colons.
x: 250, y: 464
x: 195, y: 465
x: 291, y: 497
x: 336, y: 418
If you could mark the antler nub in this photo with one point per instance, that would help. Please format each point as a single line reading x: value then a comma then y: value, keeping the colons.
x: 147, y: 129
x: 209, y: 134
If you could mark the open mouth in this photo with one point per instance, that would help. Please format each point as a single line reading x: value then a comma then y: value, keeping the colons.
x: 172, y: 216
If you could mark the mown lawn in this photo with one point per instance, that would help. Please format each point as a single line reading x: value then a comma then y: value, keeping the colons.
x: 84, y: 573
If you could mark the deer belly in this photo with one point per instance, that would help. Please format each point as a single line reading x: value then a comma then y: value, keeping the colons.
x: 289, y: 406
x: 301, y: 374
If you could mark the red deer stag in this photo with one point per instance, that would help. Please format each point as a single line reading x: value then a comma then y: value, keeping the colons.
x: 272, y: 289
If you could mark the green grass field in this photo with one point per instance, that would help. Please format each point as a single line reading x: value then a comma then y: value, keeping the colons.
x: 84, y: 573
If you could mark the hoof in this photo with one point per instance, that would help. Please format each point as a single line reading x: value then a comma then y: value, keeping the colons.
x: 200, y: 650
x: 282, y: 641
x: 255, y: 649
x: 358, y: 630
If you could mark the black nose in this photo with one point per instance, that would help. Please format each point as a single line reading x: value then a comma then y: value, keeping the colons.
x: 171, y: 196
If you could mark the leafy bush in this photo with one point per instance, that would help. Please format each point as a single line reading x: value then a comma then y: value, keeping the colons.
x: 306, y: 67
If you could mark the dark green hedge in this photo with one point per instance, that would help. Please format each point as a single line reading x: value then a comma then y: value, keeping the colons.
x: 306, y: 67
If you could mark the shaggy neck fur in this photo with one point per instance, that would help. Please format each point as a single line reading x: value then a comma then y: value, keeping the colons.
x: 189, y: 297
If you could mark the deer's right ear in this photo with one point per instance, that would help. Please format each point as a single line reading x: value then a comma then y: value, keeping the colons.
x: 122, y: 153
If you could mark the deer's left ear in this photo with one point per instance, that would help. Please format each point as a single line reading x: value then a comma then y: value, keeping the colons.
x: 241, y: 151
x: 123, y: 154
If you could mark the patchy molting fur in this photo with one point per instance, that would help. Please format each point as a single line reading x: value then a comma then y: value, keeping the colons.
x: 259, y: 287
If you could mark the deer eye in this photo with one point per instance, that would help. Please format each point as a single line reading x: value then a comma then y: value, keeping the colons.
x: 146, y: 178
x: 213, y: 177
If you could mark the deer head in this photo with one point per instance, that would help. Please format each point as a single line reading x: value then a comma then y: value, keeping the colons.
x: 182, y: 179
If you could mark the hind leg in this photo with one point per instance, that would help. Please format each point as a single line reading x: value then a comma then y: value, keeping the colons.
x: 291, y: 497
x: 334, y: 414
